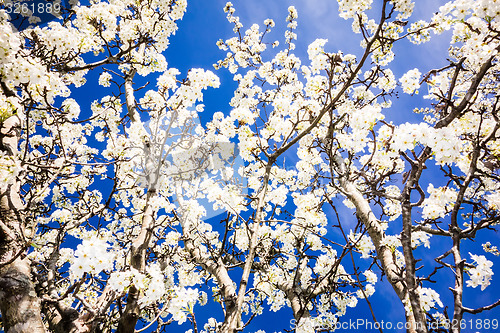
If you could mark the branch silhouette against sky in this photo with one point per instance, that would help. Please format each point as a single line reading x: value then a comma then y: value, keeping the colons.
x: 256, y: 166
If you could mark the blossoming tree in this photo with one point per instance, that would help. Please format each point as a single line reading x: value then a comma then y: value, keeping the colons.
x: 104, y: 212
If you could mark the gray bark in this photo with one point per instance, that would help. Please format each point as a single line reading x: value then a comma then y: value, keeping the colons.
x: 19, y: 303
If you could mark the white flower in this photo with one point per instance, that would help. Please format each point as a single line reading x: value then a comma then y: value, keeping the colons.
x: 92, y: 256
x: 411, y: 81
x: 292, y: 13
x: 487, y: 247
x: 118, y: 281
x: 481, y: 274
x: 104, y: 79
x: 493, y: 200
x: 439, y: 202
x: 182, y: 303
x: 369, y: 290
x: 305, y: 325
x: 429, y: 298
x: 363, y: 244
x: 370, y: 276
x: 269, y: 22
x: 419, y: 238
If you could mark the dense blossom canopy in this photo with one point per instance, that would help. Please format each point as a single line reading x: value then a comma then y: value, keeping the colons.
x: 132, y: 215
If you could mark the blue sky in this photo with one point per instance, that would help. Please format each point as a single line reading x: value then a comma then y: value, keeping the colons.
x: 194, y: 46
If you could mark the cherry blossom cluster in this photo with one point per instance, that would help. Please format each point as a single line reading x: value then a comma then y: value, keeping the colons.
x: 135, y: 180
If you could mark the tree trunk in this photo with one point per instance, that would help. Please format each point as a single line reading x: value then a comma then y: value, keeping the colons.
x: 377, y: 235
x: 19, y: 303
